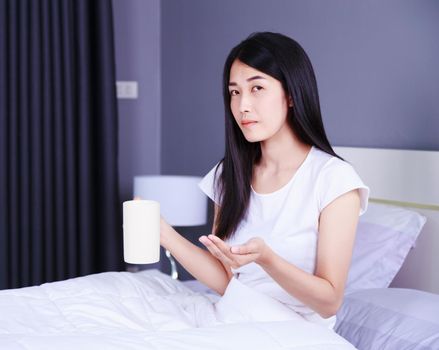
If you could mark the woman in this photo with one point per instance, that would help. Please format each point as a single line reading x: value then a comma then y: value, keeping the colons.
x: 286, y: 206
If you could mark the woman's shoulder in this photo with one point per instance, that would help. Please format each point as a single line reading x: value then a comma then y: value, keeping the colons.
x: 335, y: 177
x: 323, y: 160
x: 326, y: 164
x: 209, y: 184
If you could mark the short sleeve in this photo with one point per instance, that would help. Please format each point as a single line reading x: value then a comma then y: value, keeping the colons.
x: 209, y: 184
x: 336, y: 178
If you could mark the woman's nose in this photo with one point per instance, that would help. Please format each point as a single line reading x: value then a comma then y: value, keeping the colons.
x: 244, y: 104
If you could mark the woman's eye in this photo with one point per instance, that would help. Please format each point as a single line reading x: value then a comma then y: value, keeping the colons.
x: 254, y: 88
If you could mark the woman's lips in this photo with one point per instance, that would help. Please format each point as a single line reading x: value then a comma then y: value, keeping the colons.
x: 248, y: 123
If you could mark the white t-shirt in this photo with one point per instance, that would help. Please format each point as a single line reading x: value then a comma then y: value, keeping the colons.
x: 287, y: 220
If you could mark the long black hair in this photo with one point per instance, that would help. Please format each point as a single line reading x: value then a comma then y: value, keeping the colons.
x: 285, y: 60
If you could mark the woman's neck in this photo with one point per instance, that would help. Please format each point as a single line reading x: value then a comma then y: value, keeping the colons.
x: 284, y: 151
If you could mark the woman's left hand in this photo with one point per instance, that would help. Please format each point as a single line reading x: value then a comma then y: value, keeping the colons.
x: 254, y: 250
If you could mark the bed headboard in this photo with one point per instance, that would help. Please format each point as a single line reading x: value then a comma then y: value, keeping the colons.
x: 410, y: 179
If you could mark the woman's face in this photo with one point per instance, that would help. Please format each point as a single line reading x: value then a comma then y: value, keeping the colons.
x: 258, y: 102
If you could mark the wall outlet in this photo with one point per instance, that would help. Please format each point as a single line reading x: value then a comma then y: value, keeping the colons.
x: 127, y: 89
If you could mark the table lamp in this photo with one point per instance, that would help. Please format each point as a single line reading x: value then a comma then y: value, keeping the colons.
x: 182, y: 203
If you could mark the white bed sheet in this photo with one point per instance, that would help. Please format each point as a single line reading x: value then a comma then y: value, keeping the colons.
x: 143, y: 310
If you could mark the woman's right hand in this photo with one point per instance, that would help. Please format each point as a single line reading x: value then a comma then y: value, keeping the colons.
x: 165, y: 230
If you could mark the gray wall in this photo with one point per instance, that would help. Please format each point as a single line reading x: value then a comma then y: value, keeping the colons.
x: 375, y: 62
x: 137, y: 44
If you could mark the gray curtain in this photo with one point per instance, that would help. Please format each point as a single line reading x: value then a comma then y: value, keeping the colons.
x: 59, y: 205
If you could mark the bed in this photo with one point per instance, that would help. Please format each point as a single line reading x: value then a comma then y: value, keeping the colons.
x: 397, y: 305
x: 391, y: 300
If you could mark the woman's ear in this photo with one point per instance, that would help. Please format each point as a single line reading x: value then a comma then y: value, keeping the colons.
x: 290, y: 101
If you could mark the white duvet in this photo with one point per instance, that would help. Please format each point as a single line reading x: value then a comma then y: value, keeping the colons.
x: 143, y: 310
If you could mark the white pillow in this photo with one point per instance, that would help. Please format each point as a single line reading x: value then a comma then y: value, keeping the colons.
x: 384, y: 237
x: 390, y: 318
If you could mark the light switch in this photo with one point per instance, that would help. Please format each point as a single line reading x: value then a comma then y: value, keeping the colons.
x: 127, y: 89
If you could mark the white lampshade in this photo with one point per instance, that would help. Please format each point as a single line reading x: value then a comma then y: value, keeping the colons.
x: 182, y: 203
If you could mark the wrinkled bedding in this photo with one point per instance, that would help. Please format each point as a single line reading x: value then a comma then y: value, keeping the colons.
x: 142, y: 310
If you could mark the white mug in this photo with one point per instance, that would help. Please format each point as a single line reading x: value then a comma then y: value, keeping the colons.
x: 141, y: 231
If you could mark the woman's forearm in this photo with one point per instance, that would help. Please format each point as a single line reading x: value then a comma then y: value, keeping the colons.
x: 313, y: 291
x: 197, y: 261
